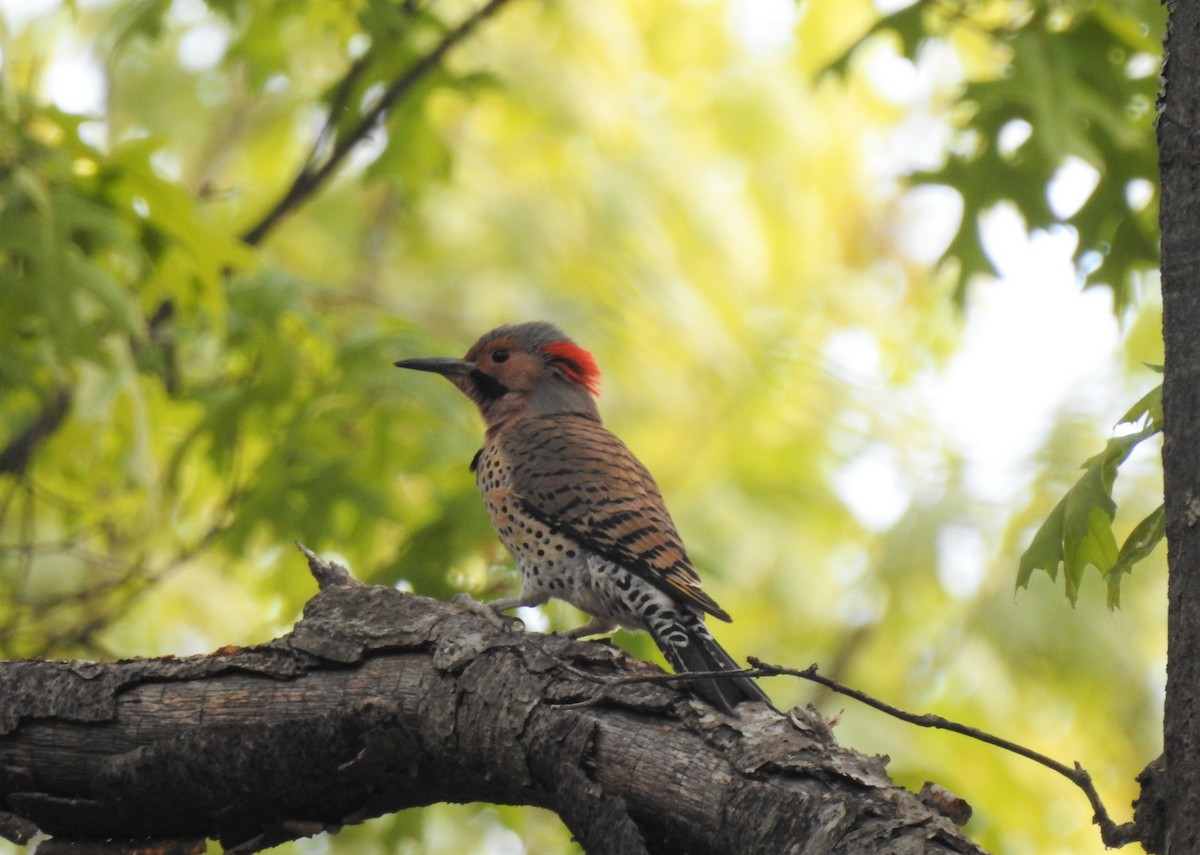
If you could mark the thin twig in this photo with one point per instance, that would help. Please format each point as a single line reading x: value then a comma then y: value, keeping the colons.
x: 313, y: 174
x: 1112, y: 834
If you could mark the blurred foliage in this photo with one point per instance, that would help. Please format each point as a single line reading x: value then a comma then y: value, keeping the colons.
x: 1047, y: 83
x: 677, y: 185
x: 1020, y: 136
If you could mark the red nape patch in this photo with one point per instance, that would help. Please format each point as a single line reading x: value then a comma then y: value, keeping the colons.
x: 576, y: 364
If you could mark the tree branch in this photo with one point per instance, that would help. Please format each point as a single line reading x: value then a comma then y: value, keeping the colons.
x: 15, y: 456
x: 317, y: 169
x: 1179, y: 211
x: 379, y: 701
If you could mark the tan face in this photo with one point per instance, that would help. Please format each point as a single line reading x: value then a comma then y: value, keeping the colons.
x: 506, y: 361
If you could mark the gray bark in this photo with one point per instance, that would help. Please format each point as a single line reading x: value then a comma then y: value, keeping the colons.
x: 379, y: 701
x: 1179, y: 161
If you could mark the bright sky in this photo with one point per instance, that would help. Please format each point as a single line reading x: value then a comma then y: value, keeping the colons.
x: 1034, y: 341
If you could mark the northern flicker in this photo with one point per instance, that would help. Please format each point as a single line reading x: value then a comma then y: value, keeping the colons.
x: 582, y: 517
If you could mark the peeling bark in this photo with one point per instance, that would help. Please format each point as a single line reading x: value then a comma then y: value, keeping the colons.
x: 379, y: 701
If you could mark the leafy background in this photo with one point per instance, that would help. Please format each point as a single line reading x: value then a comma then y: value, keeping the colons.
x: 746, y: 226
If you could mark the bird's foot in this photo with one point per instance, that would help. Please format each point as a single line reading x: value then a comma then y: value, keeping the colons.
x: 596, y: 626
x: 491, y: 611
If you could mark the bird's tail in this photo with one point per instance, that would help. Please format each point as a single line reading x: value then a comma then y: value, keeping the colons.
x: 689, y: 646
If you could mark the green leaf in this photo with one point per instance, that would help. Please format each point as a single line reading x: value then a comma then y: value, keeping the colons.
x: 1140, y: 543
x: 1089, y: 542
x: 1045, y: 552
x: 1148, y: 409
x: 1078, y: 532
x: 120, y: 306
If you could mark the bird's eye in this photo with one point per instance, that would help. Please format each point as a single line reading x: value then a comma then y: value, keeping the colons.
x: 499, y: 355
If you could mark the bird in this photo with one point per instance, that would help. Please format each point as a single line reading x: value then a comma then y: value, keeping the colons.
x: 582, y: 517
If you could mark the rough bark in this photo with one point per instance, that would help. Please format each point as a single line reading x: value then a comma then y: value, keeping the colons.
x: 379, y: 701
x: 1178, y: 144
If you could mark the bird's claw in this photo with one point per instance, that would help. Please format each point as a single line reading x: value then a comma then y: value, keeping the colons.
x: 489, y: 612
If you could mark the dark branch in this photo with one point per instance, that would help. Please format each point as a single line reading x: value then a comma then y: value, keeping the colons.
x: 318, y: 168
x: 379, y: 701
x: 15, y: 456
x: 329, y: 574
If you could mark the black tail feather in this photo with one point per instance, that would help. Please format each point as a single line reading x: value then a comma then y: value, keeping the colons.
x: 702, y: 653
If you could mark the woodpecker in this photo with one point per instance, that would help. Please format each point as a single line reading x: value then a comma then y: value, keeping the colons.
x: 581, y: 516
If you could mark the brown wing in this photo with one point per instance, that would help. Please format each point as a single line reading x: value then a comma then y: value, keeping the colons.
x: 576, y: 477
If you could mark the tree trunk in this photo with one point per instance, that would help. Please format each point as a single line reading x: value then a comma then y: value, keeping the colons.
x: 379, y: 701
x: 1179, y: 161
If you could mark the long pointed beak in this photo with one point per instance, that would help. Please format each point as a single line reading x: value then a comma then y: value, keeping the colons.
x: 443, y: 365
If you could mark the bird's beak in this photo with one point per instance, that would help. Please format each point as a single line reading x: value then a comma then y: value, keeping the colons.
x: 443, y: 365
